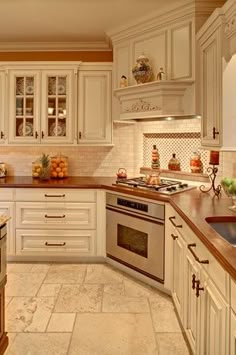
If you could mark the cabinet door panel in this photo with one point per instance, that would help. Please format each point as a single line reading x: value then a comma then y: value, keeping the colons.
x: 94, y: 107
x: 191, y: 301
x: 233, y: 334
x: 214, y: 330
x: 178, y: 273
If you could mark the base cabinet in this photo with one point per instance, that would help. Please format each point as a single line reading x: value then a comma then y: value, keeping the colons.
x: 233, y: 333
x: 214, y: 325
x: 3, y: 334
x: 201, y: 301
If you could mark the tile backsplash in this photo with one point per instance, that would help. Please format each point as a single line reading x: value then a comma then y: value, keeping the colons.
x: 127, y: 152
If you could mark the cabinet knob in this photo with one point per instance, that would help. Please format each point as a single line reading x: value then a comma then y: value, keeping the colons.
x: 2, y: 135
x: 174, y: 236
x: 36, y: 135
x: 42, y: 134
x: 80, y: 135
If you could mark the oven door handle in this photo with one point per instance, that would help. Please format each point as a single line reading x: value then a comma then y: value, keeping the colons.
x: 136, y: 215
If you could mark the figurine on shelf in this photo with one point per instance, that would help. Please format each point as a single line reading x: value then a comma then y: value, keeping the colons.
x: 142, y: 70
x: 155, y: 158
x: 161, y: 74
x: 123, y: 81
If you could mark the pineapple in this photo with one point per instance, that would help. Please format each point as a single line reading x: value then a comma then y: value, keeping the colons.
x: 45, y: 171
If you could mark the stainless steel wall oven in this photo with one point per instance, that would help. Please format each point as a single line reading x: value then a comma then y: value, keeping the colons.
x: 135, y: 234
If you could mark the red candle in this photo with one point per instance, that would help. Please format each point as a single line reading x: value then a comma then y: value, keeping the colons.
x: 214, y: 157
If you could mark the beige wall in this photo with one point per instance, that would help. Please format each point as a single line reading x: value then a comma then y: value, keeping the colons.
x: 127, y: 152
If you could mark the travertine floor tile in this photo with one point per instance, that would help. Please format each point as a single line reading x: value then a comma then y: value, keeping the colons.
x: 120, y: 303
x: 29, y: 314
x: 106, y: 334
x: 23, y: 284
x: 79, y: 298
x: 40, y: 344
x: 40, y: 268
x: 19, y: 267
x: 49, y: 290
x: 11, y: 338
x: 66, y: 273
x: 164, y: 316
x: 61, y: 322
x: 103, y: 274
x: 7, y: 301
x: 171, y: 343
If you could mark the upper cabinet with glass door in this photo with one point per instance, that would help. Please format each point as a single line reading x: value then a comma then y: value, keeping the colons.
x: 57, y: 106
x: 41, y: 106
x: 24, y: 107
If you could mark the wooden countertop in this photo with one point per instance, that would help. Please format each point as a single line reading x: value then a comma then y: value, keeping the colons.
x: 193, y: 206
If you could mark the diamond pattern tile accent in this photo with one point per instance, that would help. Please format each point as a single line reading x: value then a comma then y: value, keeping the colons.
x: 182, y: 144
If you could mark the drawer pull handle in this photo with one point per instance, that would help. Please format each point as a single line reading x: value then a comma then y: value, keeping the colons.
x: 198, y: 288
x: 193, y: 245
x: 194, y: 281
x: 176, y: 225
x: 46, y: 195
x: 174, y: 236
x: 47, y: 216
x: 55, y: 244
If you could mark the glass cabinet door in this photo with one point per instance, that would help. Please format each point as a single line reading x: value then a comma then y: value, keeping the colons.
x: 56, y: 124
x: 24, y: 94
x: 23, y: 107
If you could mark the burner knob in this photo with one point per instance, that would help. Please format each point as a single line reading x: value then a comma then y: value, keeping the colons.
x: 173, y: 188
x: 185, y: 185
x: 169, y: 189
x: 181, y: 186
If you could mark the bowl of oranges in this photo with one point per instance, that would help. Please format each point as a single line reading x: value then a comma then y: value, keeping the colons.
x: 59, y: 167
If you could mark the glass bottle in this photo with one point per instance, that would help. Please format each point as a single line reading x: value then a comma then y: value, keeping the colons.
x: 195, y: 163
x: 174, y: 163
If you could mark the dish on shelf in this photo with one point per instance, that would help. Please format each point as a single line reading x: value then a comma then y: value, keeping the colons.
x: 29, y: 90
x: 57, y: 130
x: 61, y: 89
x: 28, y: 129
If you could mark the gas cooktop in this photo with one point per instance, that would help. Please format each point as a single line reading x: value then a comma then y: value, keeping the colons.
x: 166, y: 186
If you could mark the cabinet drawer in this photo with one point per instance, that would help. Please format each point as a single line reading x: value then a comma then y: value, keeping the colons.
x: 55, y: 215
x: 56, y: 195
x: 6, y: 194
x: 57, y: 242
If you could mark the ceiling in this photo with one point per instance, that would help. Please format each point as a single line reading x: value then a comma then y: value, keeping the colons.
x: 70, y: 21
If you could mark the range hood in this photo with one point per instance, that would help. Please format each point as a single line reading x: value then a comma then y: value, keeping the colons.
x: 158, y: 100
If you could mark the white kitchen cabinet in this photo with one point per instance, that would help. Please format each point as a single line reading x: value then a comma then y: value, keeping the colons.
x: 214, y: 324
x: 216, y: 74
x: 8, y: 208
x: 210, y: 53
x: 2, y: 105
x: 94, y: 104
x: 41, y: 103
x: 233, y: 334
x: 57, y: 223
x: 200, y: 291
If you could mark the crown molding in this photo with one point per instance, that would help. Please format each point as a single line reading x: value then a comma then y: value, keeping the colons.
x: 54, y: 46
x: 184, y: 10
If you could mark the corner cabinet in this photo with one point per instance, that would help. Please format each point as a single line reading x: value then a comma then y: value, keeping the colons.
x: 41, y: 104
x: 94, y: 104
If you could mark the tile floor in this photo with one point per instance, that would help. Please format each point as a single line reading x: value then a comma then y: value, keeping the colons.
x: 87, y: 309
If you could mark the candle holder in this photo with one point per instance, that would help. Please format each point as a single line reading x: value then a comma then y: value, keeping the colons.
x: 212, y: 171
